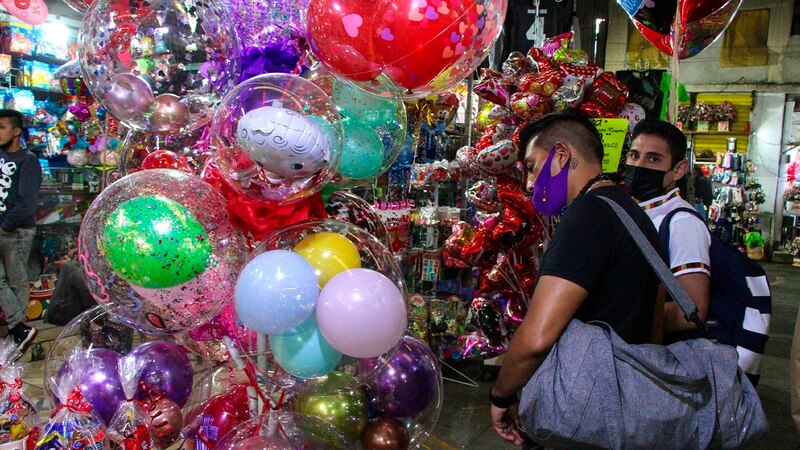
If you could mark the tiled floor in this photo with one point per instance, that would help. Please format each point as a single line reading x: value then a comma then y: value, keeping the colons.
x: 464, y: 421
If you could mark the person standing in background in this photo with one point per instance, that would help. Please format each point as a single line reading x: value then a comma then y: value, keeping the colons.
x: 703, y: 195
x: 20, y: 179
x: 654, y: 165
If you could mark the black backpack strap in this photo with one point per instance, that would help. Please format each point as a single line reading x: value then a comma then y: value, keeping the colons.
x: 663, y: 229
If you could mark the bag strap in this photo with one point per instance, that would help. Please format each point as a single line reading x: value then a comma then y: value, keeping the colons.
x: 674, y: 288
x: 663, y: 229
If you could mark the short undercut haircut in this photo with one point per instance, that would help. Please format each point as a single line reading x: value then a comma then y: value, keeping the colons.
x: 15, y: 117
x: 667, y: 132
x: 572, y: 127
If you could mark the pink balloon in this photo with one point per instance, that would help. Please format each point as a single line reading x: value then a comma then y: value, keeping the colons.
x: 127, y: 96
x: 361, y: 313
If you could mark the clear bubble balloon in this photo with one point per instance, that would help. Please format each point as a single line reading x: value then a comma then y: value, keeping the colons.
x: 409, y: 388
x: 283, y: 430
x: 376, y: 325
x: 158, y: 65
x: 424, y: 47
x: 104, y: 340
x: 374, y: 127
x: 142, y: 150
x: 159, y: 252
x: 278, y: 138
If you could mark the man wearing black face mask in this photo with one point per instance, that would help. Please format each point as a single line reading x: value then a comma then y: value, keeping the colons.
x: 655, y: 162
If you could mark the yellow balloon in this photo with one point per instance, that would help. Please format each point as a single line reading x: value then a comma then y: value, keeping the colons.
x: 35, y: 309
x: 329, y: 254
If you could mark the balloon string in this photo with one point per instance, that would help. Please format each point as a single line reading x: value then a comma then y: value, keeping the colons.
x: 249, y: 370
x: 281, y: 399
x: 514, y: 285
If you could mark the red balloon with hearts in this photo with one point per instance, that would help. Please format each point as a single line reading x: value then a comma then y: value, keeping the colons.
x: 423, y: 46
x: 701, y: 22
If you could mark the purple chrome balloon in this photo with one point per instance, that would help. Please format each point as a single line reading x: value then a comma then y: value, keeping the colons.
x: 408, y: 383
x: 100, y: 383
x: 166, y: 370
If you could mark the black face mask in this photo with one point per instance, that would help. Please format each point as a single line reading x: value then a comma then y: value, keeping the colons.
x: 644, y: 184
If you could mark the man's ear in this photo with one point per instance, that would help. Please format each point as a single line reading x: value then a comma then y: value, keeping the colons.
x: 563, y: 154
x: 680, y: 169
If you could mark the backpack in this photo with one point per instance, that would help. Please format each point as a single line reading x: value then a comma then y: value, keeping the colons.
x: 740, y: 303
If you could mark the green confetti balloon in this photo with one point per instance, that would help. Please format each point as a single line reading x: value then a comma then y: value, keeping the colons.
x: 362, y: 155
x: 155, y: 242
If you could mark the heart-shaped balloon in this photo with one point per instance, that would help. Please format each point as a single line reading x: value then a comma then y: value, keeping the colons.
x: 702, y: 22
x: 499, y: 158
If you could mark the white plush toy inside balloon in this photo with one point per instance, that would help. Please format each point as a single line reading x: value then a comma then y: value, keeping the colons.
x: 283, y: 142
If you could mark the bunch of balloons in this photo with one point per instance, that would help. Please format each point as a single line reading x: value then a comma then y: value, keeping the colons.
x: 92, y: 352
x: 321, y: 290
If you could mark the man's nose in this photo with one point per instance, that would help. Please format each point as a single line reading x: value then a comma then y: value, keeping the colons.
x: 529, y: 180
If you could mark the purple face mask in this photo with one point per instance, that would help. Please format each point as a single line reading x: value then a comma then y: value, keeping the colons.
x: 550, y: 191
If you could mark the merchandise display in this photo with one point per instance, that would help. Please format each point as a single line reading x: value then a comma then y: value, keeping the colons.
x: 298, y: 217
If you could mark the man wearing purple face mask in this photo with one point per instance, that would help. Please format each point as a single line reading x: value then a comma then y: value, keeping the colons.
x: 592, y: 270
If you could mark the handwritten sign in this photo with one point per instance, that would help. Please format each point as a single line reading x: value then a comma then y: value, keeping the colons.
x: 613, y: 133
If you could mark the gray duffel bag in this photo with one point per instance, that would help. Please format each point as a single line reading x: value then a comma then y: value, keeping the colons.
x: 596, y: 391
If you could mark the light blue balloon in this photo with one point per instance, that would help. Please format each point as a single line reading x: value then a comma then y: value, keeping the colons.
x: 362, y: 156
x: 276, y: 291
x: 303, y: 351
